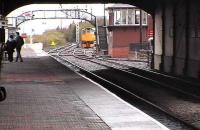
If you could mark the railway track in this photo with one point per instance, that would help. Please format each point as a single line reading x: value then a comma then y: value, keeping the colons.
x: 186, y: 87
x: 176, y: 84
x: 140, y: 88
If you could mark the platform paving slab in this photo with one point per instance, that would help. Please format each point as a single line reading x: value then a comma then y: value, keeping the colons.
x: 45, y: 95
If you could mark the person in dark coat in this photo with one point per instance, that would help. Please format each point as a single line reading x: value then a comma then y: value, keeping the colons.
x: 10, y: 46
x: 20, y: 42
x: 2, y: 93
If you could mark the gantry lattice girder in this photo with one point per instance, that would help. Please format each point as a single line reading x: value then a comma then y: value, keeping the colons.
x: 81, y: 14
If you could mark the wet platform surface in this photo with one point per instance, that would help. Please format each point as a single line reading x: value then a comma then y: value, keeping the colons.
x: 45, y: 95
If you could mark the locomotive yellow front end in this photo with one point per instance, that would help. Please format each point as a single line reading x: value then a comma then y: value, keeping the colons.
x: 88, y: 38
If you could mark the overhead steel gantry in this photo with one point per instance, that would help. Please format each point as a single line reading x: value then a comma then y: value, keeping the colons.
x: 81, y: 14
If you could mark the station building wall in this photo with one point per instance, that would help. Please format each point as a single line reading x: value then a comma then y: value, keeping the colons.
x: 177, y: 35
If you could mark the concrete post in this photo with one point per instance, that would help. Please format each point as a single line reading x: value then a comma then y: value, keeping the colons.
x: 158, y: 37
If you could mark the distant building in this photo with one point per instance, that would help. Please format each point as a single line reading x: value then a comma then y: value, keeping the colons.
x: 124, y: 29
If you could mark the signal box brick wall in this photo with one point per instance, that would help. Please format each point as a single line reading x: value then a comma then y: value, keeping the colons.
x: 120, y: 52
x: 120, y: 37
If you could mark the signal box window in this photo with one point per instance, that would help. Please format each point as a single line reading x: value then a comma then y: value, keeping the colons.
x: 137, y: 17
x: 129, y: 17
x: 117, y: 17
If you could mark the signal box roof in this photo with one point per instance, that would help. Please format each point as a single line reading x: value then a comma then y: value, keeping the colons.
x: 121, y: 6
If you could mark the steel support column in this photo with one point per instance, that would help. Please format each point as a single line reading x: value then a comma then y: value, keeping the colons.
x: 2, y: 30
x: 163, y: 38
x: 2, y: 33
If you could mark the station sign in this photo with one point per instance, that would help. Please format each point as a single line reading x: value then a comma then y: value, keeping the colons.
x: 27, y: 15
x: 24, y: 35
x: 24, y: 17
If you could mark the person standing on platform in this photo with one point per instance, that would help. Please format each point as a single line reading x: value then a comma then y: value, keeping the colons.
x: 20, y: 42
x: 2, y: 93
x: 10, y: 46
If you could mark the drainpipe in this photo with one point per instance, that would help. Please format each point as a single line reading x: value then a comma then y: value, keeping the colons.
x: 140, y: 27
x: 174, y: 40
x: 163, y: 38
x: 187, y: 36
x: 153, y: 43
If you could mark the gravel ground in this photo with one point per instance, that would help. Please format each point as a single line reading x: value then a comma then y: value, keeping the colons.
x: 141, y: 65
x: 84, y: 64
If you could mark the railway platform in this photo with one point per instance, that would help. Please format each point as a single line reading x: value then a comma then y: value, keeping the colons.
x: 43, y: 94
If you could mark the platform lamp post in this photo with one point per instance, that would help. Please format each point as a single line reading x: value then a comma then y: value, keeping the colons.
x: 46, y: 39
x: 31, y: 36
x: 61, y: 19
x: 105, y: 30
x: 104, y: 13
x: 97, y: 36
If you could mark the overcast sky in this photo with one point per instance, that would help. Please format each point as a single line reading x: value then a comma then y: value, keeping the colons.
x: 39, y: 26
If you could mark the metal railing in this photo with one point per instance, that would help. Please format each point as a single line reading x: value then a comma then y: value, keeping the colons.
x: 141, y: 51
